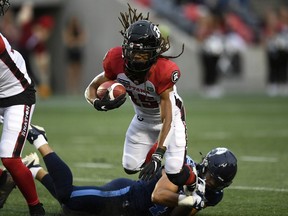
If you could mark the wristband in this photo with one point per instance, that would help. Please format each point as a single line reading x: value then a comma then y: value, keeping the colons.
x: 184, y: 200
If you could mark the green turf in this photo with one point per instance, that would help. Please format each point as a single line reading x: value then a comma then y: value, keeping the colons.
x: 250, y: 125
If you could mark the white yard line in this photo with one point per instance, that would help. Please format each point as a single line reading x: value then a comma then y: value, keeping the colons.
x: 258, y: 189
x: 94, y: 165
x: 258, y: 159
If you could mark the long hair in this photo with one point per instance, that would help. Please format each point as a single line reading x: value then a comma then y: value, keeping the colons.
x: 130, y: 17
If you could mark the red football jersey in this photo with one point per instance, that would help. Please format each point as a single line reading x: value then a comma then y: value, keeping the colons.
x: 163, y: 74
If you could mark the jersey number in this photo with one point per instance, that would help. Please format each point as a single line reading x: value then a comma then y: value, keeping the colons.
x: 142, y: 100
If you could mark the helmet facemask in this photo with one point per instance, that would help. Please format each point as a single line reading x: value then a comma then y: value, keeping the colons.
x: 4, y: 6
x: 140, y: 49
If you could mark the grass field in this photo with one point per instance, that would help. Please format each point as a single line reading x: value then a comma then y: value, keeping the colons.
x: 254, y: 127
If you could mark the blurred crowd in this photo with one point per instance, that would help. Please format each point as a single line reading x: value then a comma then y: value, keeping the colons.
x: 30, y: 32
x: 29, y: 35
x: 224, y: 29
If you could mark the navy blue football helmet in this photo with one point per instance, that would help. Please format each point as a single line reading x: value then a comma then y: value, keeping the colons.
x: 4, y: 5
x: 221, y: 164
x: 142, y: 37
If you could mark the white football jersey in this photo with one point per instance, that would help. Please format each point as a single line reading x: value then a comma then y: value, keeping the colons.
x: 14, y: 78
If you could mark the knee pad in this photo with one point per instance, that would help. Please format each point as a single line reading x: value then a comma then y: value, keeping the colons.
x: 185, y: 177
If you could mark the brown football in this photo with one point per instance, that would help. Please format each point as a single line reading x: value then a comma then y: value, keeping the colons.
x: 114, y: 88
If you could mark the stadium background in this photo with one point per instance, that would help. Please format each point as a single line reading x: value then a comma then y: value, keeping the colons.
x: 253, y: 126
x: 102, y: 25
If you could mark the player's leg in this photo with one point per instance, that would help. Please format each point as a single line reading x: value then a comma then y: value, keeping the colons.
x: 7, y: 184
x: 33, y: 163
x: 6, y: 181
x: 58, y: 170
x: 14, y: 132
x: 176, y: 170
x: 140, y: 137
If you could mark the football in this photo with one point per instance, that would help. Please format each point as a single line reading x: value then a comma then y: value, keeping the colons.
x: 115, y: 89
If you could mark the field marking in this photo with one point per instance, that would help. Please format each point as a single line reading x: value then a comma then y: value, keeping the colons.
x: 216, y: 135
x: 259, y: 159
x: 94, y: 165
x: 258, y: 189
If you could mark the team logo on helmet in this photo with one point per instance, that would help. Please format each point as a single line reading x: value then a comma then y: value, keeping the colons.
x: 175, y: 76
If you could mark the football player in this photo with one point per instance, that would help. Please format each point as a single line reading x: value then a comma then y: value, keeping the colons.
x: 149, y: 79
x: 17, y: 101
x: 129, y: 197
x: 215, y: 172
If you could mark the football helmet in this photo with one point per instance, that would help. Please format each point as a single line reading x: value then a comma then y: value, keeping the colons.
x: 4, y: 5
x: 221, y: 165
x: 140, y: 49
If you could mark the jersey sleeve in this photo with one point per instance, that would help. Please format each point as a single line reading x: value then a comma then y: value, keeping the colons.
x: 2, y: 45
x: 112, y: 63
x: 168, y: 75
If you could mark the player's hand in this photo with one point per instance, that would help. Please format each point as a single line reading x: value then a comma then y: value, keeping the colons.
x: 199, y: 200
x: 153, y: 166
x: 106, y: 104
x: 201, y: 185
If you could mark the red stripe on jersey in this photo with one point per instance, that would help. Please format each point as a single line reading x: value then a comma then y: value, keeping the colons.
x: 2, y: 45
x: 8, y: 61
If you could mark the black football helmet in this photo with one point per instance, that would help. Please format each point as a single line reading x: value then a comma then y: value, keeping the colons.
x: 4, y: 5
x: 141, y: 38
x: 221, y: 164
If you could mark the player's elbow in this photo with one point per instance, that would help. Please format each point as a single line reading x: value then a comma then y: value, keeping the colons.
x: 156, y: 197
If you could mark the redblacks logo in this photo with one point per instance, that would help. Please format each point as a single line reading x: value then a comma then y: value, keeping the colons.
x: 175, y: 76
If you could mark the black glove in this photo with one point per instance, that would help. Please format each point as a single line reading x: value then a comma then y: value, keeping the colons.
x: 106, y: 104
x: 153, y: 166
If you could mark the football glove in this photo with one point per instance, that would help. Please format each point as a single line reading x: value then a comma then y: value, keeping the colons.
x: 106, y: 104
x: 201, y: 185
x: 199, y: 200
x: 153, y: 166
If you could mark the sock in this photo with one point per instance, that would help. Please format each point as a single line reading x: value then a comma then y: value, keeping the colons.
x: 23, y: 179
x: 34, y: 171
x: 47, y: 181
x: 39, y: 141
x: 61, y: 175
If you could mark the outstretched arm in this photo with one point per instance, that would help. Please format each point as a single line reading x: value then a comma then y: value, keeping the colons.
x: 166, y: 193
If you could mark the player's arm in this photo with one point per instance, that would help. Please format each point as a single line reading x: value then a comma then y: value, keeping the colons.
x: 90, y: 92
x: 163, y: 140
x: 166, y: 193
x: 166, y: 117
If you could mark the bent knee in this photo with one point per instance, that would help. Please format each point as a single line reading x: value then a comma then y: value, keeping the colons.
x: 131, y: 164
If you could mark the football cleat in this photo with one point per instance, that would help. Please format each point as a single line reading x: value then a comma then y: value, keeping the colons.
x: 37, y: 210
x: 6, y: 186
x: 31, y: 160
x: 34, y: 132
